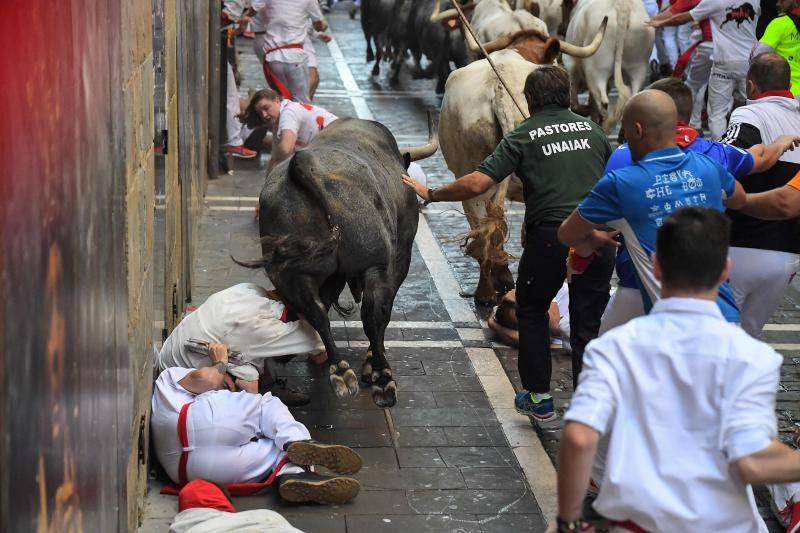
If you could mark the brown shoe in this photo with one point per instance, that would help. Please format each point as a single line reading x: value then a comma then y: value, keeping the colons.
x: 311, y: 487
x: 340, y: 459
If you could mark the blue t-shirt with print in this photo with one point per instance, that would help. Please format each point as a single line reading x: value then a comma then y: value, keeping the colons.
x: 738, y: 162
x: 636, y: 199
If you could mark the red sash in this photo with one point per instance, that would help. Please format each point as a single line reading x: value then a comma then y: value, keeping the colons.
x: 627, y: 525
x: 236, y: 489
x: 273, y: 80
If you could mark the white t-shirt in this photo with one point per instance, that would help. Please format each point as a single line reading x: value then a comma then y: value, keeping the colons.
x: 286, y: 22
x: 243, y: 318
x: 305, y: 120
x: 679, y: 395
x: 733, y: 26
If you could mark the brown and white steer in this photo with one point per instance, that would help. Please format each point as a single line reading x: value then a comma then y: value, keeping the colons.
x: 476, y: 113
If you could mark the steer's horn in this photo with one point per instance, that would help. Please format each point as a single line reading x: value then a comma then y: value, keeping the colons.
x: 491, y: 46
x: 421, y: 152
x: 589, y: 49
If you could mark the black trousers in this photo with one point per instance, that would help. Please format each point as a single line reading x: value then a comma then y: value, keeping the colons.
x: 542, y: 270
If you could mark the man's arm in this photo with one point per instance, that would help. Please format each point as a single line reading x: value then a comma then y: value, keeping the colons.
x: 575, y: 456
x: 464, y: 188
x: 577, y: 232
x: 738, y: 199
x: 283, y: 149
x: 211, y: 377
x: 777, y: 463
x: 777, y: 204
x: 674, y: 20
x: 766, y: 155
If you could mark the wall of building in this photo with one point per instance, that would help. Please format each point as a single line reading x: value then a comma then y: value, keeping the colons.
x: 77, y: 247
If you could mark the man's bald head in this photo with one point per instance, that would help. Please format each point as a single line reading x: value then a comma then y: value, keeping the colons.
x: 649, y: 121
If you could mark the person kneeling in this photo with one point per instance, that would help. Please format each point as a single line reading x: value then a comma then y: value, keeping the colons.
x: 203, y: 429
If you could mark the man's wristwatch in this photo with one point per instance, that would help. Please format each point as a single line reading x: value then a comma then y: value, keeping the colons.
x: 430, y: 197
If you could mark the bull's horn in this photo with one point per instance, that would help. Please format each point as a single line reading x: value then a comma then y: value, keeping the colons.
x: 444, y: 15
x: 421, y: 152
x: 589, y: 49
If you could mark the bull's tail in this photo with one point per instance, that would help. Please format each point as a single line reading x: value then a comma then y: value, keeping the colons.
x: 299, y: 254
x: 623, y: 8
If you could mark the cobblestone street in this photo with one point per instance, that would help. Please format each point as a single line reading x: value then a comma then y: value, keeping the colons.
x: 452, y: 455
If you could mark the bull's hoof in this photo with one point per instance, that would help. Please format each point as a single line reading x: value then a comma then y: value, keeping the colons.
x: 370, y: 55
x: 343, y: 380
x: 376, y: 69
x: 384, y: 389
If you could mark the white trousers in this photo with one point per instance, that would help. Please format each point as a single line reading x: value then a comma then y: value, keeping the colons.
x: 236, y: 437
x: 727, y: 82
x: 232, y: 124
x: 697, y: 74
x: 625, y: 304
x: 759, y: 279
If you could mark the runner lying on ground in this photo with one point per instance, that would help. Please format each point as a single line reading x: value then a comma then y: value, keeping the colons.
x: 203, y: 429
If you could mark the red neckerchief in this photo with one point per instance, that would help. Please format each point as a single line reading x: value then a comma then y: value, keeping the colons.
x: 785, y: 94
x: 796, y: 12
x: 685, y: 134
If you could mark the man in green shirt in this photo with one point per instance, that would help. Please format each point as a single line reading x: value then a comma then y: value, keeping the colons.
x: 782, y: 36
x: 558, y: 156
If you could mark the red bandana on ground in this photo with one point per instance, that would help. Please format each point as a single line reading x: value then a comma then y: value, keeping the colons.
x: 201, y: 493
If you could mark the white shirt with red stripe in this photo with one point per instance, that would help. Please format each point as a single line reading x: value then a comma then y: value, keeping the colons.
x: 246, y: 320
x: 233, y: 437
x: 286, y: 22
x: 305, y: 120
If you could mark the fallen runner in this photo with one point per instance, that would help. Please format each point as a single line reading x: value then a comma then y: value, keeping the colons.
x: 503, y: 320
x: 202, y: 429
x: 252, y: 321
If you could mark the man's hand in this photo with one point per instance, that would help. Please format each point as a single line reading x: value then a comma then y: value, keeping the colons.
x: 654, y: 23
x: 227, y: 380
x: 243, y: 22
x: 595, y: 241
x: 247, y: 386
x: 218, y: 353
x: 418, y: 188
x: 325, y: 38
x: 787, y: 142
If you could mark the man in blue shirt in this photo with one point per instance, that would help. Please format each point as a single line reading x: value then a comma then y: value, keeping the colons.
x: 627, y: 303
x: 635, y: 199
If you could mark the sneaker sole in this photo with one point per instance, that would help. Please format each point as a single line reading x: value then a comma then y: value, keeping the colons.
x: 240, y: 156
x: 340, y: 459
x: 334, y: 491
x: 536, y: 417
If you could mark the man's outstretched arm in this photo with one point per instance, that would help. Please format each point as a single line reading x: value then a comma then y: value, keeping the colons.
x: 466, y: 187
x: 211, y: 377
x: 577, y: 232
x: 777, y: 204
x: 766, y: 155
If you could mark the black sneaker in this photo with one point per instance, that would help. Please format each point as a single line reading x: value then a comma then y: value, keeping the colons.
x: 311, y: 487
x: 340, y: 459
x: 290, y: 396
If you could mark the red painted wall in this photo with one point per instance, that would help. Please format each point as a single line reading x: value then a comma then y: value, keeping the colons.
x: 64, y: 398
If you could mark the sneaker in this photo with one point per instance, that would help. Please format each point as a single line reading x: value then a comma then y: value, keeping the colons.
x: 242, y: 152
x: 290, y: 396
x: 312, y: 487
x: 339, y: 459
x: 540, y: 408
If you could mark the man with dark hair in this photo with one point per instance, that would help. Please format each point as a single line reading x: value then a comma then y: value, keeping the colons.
x: 636, y: 199
x: 684, y: 403
x: 766, y: 254
x: 558, y: 156
x: 626, y: 303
